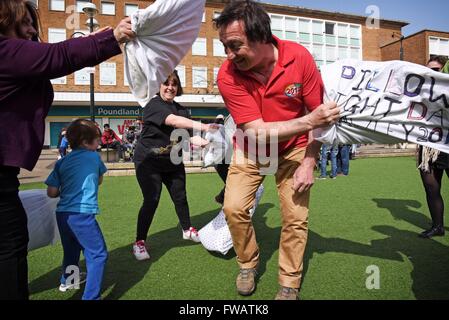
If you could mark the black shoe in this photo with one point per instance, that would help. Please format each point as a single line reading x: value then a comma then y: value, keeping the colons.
x: 432, y: 232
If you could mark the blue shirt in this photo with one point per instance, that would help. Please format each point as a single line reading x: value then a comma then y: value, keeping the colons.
x: 76, y: 176
x: 64, y: 143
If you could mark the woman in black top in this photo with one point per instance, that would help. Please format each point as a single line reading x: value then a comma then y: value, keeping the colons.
x: 432, y: 165
x: 154, y: 161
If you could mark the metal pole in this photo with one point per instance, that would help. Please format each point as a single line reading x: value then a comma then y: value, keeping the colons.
x: 92, y: 92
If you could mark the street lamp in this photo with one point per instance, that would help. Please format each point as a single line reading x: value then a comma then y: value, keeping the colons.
x: 91, y: 11
x: 401, y: 50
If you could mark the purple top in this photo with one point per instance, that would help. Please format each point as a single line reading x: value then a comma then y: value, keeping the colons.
x: 26, y: 93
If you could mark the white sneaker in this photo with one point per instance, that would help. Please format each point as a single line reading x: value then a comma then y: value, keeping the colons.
x: 65, y: 287
x: 140, y: 251
x: 191, y: 234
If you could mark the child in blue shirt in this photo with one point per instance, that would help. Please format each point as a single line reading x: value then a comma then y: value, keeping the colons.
x: 75, y: 179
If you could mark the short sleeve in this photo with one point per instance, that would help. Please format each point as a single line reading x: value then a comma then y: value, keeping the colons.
x: 156, y: 112
x: 53, y: 179
x: 313, y: 87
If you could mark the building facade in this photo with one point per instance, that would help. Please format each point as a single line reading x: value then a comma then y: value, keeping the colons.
x: 329, y: 36
x: 418, y: 47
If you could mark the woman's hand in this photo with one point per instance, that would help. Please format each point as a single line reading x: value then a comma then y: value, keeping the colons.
x: 123, y: 32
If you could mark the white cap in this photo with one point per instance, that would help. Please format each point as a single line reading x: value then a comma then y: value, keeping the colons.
x: 220, y: 116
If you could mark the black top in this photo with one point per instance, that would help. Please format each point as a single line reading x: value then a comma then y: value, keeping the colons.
x: 155, y: 134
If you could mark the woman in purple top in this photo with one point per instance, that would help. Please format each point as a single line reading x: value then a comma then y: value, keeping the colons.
x: 26, y: 94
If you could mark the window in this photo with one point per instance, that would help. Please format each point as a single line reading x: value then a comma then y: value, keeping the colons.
x: 342, y: 52
x: 130, y: 9
x: 438, y: 46
x: 355, y: 35
x: 199, y: 77
x: 182, y: 74
x: 199, y: 47
x: 276, y: 26
x: 107, y: 74
x: 291, y: 29
x: 342, y: 34
x: 204, y: 17
x: 331, y: 54
x: 317, y: 30
x: 355, y: 53
x: 219, y: 50
x: 216, y: 69
x: 80, y: 4
x: 82, y: 77
x: 57, y: 35
x: 304, y: 30
x: 329, y: 28
x: 57, y: 5
x: 216, y: 14
x: 317, y: 51
x: 108, y: 8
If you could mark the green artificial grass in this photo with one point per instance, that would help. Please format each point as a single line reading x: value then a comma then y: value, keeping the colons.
x: 370, y: 218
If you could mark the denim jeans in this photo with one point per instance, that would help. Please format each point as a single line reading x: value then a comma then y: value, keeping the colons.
x: 81, y: 232
x: 343, y: 166
x: 323, y: 161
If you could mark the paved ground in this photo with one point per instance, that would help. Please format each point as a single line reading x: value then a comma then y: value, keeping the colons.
x: 42, y: 169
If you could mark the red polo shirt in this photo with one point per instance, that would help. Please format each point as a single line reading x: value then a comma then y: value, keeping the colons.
x: 295, y: 84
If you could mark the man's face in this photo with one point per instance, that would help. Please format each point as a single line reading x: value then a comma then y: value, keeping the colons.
x: 243, y: 54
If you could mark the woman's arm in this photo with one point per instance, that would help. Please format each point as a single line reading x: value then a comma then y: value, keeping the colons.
x: 185, y: 123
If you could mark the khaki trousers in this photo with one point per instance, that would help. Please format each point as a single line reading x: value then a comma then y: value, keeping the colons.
x: 241, y: 185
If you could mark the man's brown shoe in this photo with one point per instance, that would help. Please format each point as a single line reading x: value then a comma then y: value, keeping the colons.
x: 286, y: 293
x: 246, y: 281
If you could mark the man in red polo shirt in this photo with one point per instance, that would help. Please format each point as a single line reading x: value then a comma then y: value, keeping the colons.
x: 269, y: 84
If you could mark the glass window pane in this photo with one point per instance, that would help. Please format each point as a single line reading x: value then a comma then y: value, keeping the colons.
x: 108, y: 74
x: 331, y: 53
x: 433, y: 46
x: 199, y: 77
x: 355, y: 53
x: 80, y: 5
x: 56, y: 35
x: 304, y: 26
x: 276, y: 22
x: 199, y: 47
x: 215, y: 76
x: 219, y: 49
x: 331, y: 39
x: 278, y: 34
x: 57, y: 5
x: 290, y: 35
x: 108, y: 8
x: 317, y: 51
x: 330, y: 28
x: 444, y: 47
x: 130, y: 9
x: 317, y: 27
x: 318, y: 38
x: 290, y: 24
x: 342, y: 30
x: 355, y: 32
x: 182, y: 74
x: 342, y: 41
x: 304, y: 37
x: 355, y: 42
x: 342, y: 53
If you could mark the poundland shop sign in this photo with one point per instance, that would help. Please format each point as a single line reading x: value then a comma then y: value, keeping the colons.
x: 121, y: 111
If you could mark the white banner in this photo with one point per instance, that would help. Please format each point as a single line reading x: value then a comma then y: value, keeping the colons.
x: 387, y: 102
x: 165, y: 32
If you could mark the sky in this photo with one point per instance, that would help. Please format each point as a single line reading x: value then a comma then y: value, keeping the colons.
x: 423, y: 14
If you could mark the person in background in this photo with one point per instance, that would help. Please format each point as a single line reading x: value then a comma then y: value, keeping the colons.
x: 432, y: 164
x: 153, y: 163
x: 75, y: 179
x: 333, y: 150
x: 26, y: 94
x: 110, y: 140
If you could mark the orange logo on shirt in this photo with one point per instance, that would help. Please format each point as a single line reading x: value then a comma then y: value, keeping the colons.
x: 292, y: 90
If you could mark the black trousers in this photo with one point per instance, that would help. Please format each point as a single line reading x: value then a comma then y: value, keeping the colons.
x: 13, y: 238
x: 222, y: 170
x: 151, y: 177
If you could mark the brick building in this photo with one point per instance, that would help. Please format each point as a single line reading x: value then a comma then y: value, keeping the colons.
x: 329, y: 36
x: 418, y: 47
